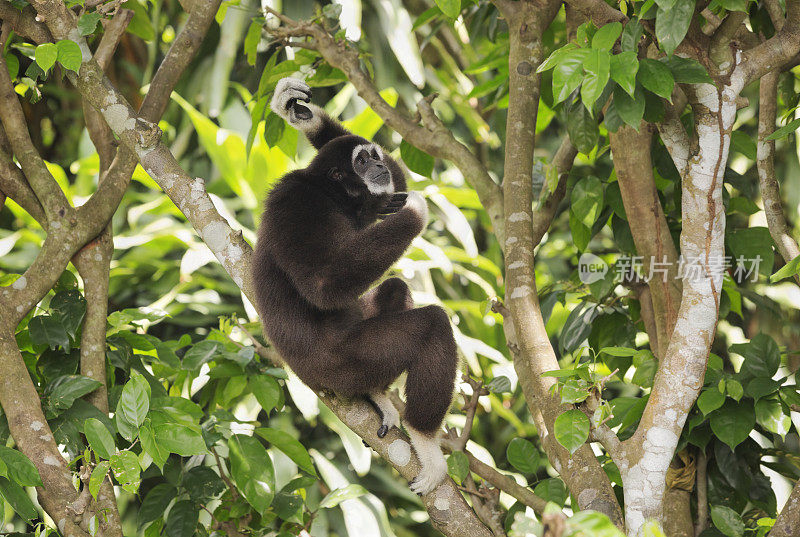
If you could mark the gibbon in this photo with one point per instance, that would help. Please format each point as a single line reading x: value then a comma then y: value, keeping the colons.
x: 328, y: 232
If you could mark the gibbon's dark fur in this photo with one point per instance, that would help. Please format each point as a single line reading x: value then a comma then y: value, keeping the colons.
x: 320, y: 248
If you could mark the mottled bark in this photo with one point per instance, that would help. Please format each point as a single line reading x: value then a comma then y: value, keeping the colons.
x: 634, y: 167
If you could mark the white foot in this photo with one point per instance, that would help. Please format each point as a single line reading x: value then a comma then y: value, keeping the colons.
x: 391, y: 417
x: 434, y: 467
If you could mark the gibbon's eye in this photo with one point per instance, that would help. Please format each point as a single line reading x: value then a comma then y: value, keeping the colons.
x: 360, y: 159
x: 375, y: 155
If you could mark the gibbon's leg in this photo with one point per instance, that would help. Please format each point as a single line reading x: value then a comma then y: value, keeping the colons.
x: 419, y: 341
x: 391, y: 295
x: 389, y: 415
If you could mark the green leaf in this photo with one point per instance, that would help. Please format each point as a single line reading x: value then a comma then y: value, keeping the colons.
x: 69, y: 55
x: 46, y: 56
x: 606, y: 36
x: 199, y: 354
x: 618, y: 351
x: 451, y: 8
x: 587, y: 200
x: 98, y: 476
x: 687, y: 70
x: 733, y: 422
x: 762, y: 357
x: 156, y: 502
x: 630, y: 109
x: 18, y: 499
x: 251, y: 471
x: 134, y: 403
x: 182, y: 519
x: 789, y: 270
x: 335, y: 497
x: 624, y: 67
x: 597, y: 68
x: 673, y: 23
x: 99, y: 438
x: 69, y: 308
x: 62, y: 392
x: 631, y: 35
x: 759, y: 387
x: 574, y: 391
x: 151, y: 446
x: 499, y: 384
x: 48, y: 330
x: 20, y: 469
x: 251, y: 41
x: 12, y: 62
x: 786, y: 130
x: 656, y: 77
x: 734, y: 389
x: 267, y: 391
x: 727, y: 521
x: 88, y: 23
x: 568, y: 73
x: 458, y: 466
x: 523, y: 455
x: 769, y: 413
x: 710, y: 400
x: 572, y: 429
x: 552, y: 490
x: 735, y: 5
x: 202, y: 483
x: 555, y: 57
x: 582, y: 128
x: 125, y: 465
x: 289, y: 446
x: 180, y: 439
x: 418, y: 161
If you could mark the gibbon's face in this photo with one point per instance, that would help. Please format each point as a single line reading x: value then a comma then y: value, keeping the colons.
x: 357, y: 165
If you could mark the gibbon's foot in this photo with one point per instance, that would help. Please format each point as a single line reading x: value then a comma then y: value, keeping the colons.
x: 434, y: 466
x: 390, y: 417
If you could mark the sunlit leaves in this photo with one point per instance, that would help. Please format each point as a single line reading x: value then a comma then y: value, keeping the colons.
x: 99, y: 438
x: 597, y: 68
x: 125, y: 465
x: 69, y: 55
x: 606, y: 36
x: 572, y: 429
x: 46, y: 55
x: 451, y: 8
x: 98, y: 477
x: 335, y: 497
x: 710, y: 400
x: 251, y: 471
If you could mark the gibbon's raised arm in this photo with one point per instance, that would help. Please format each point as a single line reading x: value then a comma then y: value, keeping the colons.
x: 292, y: 102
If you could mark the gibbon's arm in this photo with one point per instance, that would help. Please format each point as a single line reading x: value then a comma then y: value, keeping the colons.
x: 291, y: 101
x: 354, y: 259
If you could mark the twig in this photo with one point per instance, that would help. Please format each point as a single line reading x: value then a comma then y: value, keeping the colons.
x: 702, y: 493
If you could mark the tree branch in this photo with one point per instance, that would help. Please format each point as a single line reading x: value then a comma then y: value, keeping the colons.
x: 786, y: 523
x: 48, y: 192
x: 543, y: 216
x: 533, y: 353
x: 14, y: 184
x: 24, y: 23
x: 765, y: 162
x: 778, y: 50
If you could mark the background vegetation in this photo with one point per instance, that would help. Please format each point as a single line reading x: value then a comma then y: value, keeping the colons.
x: 205, y: 434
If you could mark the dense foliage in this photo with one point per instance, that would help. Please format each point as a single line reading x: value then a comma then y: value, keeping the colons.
x: 208, y: 434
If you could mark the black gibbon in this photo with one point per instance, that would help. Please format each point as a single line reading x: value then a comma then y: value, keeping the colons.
x: 328, y: 232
